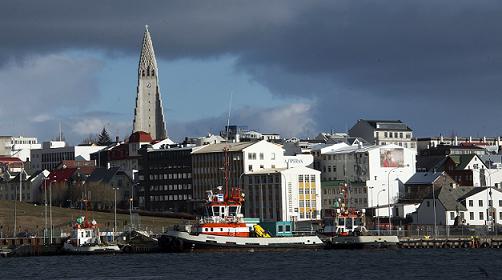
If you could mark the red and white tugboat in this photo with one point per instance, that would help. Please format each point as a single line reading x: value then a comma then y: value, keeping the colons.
x: 85, y: 239
x: 223, y: 227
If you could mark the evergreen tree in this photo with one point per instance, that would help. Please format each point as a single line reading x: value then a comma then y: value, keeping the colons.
x: 104, y: 138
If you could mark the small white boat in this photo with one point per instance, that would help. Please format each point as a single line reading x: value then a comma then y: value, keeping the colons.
x: 85, y: 239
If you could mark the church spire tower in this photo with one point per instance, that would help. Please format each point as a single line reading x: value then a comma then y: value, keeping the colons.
x: 148, y: 114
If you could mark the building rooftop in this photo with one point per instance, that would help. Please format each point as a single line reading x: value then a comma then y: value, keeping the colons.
x: 424, y: 178
x: 387, y: 124
x: 219, y: 147
x: 451, y: 197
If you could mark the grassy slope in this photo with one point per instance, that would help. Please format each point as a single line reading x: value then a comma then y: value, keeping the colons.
x: 31, y: 218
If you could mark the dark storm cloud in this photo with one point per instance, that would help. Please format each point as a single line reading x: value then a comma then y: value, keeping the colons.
x: 351, y: 59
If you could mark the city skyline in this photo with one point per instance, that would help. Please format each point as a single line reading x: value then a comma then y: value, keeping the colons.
x: 295, y: 68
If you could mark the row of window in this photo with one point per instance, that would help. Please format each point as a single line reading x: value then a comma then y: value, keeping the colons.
x: 481, y: 215
x: 171, y: 187
x: 252, y: 156
x: 394, y: 135
x: 305, y: 178
x: 338, y: 190
x: 170, y: 176
x: 306, y: 191
x: 412, y: 145
x: 480, y: 203
x: 57, y: 157
x: 307, y: 215
x: 170, y: 197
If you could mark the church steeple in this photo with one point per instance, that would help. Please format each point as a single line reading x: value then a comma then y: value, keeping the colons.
x: 147, y: 57
x: 148, y: 114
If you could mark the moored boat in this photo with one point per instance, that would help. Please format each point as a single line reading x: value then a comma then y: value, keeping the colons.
x: 85, y: 239
x: 345, y: 228
x: 223, y: 227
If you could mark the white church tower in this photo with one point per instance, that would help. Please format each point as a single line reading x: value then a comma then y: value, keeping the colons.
x: 148, y: 114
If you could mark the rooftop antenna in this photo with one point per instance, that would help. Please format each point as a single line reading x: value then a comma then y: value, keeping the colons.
x: 60, y: 132
x: 229, y: 111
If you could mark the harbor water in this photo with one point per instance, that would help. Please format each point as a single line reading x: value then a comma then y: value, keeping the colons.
x: 321, y: 264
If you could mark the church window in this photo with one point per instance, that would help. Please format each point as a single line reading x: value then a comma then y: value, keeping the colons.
x: 142, y: 73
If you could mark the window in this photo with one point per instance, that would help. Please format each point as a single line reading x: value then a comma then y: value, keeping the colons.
x: 250, y: 168
x: 452, y: 216
x: 481, y: 216
x: 471, y: 216
x: 385, y: 134
x: 500, y: 215
x: 428, y: 204
x: 261, y: 156
x: 480, y: 203
x: 400, y: 135
x: 471, y: 203
x: 273, y: 156
x: 490, y: 203
x: 500, y: 203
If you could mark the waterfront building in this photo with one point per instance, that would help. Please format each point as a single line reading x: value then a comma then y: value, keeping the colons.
x: 384, y: 132
x: 382, y: 170
x: 148, y: 114
x: 283, y: 194
x: 261, y: 159
x: 473, y: 206
x: 244, y: 157
x: 355, y: 194
x: 52, y: 153
x: 421, y: 183
x: 165, y: 178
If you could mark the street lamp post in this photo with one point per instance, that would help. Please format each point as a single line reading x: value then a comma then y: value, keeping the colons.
x: 488, y: 206
x: 114, y: 212
x: 45, y: 211
x: 20, y: 197
x: 378, y: 216
x: 50, y: 209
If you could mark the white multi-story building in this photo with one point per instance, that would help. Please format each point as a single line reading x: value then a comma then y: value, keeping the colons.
x: 477, y: 206
x: 382, y: 169
x: 283, y: 194
x: 19, y: 147
x: 384, y: 132
x: 53, y: 152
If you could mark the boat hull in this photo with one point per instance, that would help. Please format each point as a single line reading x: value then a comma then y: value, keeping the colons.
x: 178, y: 241
x: 361, y: 242
x: 92, y: 249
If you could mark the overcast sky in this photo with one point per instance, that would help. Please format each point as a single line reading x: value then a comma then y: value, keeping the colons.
x: 294, y: 67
